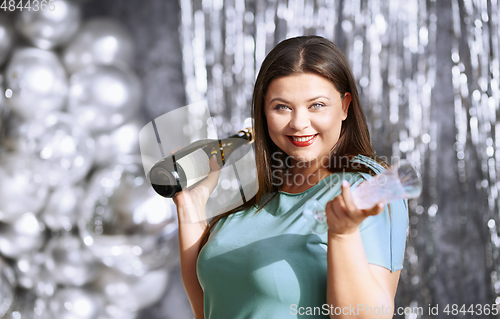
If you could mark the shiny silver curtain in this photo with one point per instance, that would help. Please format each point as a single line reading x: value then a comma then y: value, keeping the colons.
x: 428, y: 74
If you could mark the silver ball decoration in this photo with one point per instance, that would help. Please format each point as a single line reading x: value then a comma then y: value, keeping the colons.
x: 50, y: 28
x: 104, y: 96
x: 112, y: 311
x: 131, y: 293
x: 65, y: 149
x: 125, y: 224
x: 61, y: 211
x: 69, y: 262
x: 46, y: 285
x: 36, y: 82
x: 28, y: 268
x: 100, y: 41
x: 32, y: 275
x: 21, y: 236
x: 123, y: 140
x: 28, y: 306
x: 20, y: 179
x: 75, y: 303
x: 47, y: 149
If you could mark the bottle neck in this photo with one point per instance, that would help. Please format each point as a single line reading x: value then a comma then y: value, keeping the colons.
x: 246, y: 134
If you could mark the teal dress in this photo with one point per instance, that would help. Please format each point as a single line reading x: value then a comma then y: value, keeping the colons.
x: 268, y: 264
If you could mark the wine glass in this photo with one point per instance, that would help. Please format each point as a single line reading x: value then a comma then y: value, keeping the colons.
x: 400, y: 181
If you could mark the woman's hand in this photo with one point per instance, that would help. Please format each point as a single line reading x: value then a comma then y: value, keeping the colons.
x: 191, y: 202
x: 343, y: 217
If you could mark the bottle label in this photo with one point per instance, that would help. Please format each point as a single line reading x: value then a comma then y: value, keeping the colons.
x: 196, y: 166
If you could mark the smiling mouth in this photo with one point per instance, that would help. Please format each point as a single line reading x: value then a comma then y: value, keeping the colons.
x: 302, y: 140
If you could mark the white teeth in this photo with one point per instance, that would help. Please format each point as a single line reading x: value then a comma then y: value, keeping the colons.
x: 302, y: 139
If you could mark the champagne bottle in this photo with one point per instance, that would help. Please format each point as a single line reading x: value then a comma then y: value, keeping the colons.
x: 190, y: 165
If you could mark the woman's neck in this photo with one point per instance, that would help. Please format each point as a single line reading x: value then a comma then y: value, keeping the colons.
x: 301, y: 176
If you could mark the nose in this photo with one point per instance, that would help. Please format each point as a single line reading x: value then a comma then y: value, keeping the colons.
x: 300, y: 119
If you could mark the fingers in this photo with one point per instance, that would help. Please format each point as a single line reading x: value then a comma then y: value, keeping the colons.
x: 347, y: 196
x: 213, y: 177
x: 345, y: 204
x: 343, y: 216
x: 214, y: 165
x: 334, y: 206
x: 375, y: 210
x: 178, y: 198
x: 351, y: 206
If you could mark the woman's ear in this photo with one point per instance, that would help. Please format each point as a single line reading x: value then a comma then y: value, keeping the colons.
x: 346, y: 102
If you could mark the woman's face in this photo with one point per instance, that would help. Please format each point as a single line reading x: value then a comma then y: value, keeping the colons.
x: 304, y: 115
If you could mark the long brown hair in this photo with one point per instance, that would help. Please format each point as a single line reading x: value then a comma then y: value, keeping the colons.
x: 304, y: 54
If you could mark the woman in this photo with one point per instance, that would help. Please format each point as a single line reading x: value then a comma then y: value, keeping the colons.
x: 261, y: 260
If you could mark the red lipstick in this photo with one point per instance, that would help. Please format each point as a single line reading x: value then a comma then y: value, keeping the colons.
x: 302, y: 143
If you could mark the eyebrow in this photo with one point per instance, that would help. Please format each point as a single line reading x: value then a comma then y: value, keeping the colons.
x: 285, y: 101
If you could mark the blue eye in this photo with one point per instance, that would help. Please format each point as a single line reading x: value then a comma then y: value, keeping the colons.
x: 317, y: 106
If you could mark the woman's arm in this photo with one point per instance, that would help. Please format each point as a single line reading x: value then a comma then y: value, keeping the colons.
x: 189, y: 244
x: 192, y: 223
x: 359, y: 289
x: 367, y: 291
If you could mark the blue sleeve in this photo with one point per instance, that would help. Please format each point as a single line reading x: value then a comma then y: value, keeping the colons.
x: 384, y: 236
